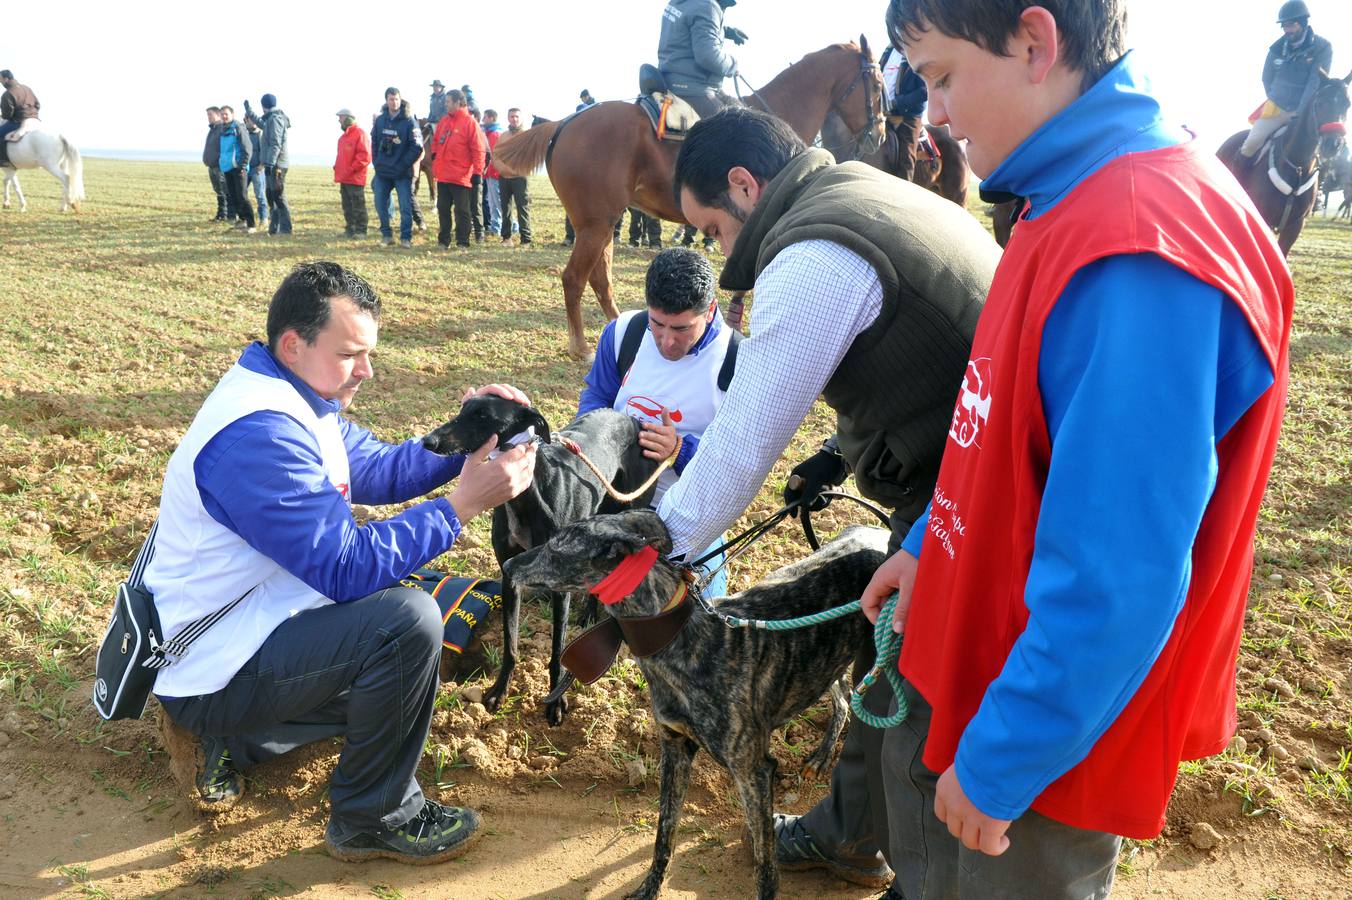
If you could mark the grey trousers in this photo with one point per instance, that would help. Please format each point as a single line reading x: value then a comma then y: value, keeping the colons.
x: 365, y: 669
x: 1046, y: 859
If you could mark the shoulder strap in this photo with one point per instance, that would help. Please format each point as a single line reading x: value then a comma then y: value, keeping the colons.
x: 179, y: 644
x: 633, y: 336
x: 143, y: 557
x: 729, y: 367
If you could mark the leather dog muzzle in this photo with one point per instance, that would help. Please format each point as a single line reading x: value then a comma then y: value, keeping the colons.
x: 591, y: 654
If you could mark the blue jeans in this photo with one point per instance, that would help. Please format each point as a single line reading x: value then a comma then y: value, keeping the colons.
x: 493, y: 200
x: 260, y: 189
x: 403, y: 189
x: 366, y: 670
x: 718, y: 587
x: 7, y: 127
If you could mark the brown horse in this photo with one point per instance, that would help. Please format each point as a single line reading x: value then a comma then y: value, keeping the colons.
x: 606, y: 158
x: 1282, y: 179
x: 942, y: 168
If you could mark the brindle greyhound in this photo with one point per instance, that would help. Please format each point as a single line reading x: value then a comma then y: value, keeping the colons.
x: 714, y: 687
x: 563, y: 491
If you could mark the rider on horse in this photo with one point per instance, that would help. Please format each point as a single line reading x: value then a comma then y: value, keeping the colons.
x: 690, y: 52
x: 904, y: 97
x: 1290, y: 74
x: 18, y: 108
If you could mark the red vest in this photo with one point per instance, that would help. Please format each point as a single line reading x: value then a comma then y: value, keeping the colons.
x: 968, y: 607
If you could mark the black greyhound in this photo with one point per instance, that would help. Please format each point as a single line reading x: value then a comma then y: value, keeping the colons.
x: 563, y: 491
x: 713, y: 687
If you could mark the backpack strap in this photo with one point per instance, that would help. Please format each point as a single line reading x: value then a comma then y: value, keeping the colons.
x: 633, y: 336
x: 729, y: 367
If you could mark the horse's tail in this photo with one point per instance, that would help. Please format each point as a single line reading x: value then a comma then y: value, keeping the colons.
x: 74, y: 168
x: 522, y: 153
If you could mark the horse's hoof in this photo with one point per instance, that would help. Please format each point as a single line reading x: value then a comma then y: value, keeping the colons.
x: 493, y: 699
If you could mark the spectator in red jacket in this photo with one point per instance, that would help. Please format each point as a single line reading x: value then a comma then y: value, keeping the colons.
x: 349, y: 172
x: 457, y: 150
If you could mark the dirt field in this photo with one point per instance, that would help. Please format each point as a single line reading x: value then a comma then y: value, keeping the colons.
x: 114, y: 323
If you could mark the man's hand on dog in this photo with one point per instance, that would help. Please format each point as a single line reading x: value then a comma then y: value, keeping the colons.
x: 505, y: 391
x: 896, y: 575
x: 658, y: 441
x: 975, y: 829
x: 485, y: 483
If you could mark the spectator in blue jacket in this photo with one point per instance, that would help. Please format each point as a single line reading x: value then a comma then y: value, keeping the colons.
x: 396, y: 145
x: 275, y: 163
x: 236, y: 150
x: 257, y: 503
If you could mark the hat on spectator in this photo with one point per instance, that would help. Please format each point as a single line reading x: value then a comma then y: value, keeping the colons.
x: 345, y: 112
x: 269, y: 101
x: 437, y: 83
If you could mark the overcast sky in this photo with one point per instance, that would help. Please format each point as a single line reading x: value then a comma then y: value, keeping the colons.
x: 137, y: 75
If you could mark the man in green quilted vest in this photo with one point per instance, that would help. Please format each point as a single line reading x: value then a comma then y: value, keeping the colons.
x: 867, y: 292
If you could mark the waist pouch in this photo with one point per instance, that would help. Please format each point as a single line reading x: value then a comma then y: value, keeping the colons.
x: 464, y: 602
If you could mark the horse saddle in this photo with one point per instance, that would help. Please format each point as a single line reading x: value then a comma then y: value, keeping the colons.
x: 671, y: 117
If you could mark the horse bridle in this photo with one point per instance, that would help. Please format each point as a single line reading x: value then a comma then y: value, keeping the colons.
x: 864, y: 138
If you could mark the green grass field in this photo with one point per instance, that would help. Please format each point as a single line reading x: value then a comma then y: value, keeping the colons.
x: 115, y: 322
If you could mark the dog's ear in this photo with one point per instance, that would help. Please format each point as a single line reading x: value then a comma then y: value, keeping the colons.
x: 639, y: 528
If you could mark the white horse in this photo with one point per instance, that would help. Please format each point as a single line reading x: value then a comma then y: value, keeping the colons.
x: 12, y: 178
x: 44, y: 150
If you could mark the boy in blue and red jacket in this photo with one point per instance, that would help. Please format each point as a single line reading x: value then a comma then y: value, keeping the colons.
x: 1072, y: 602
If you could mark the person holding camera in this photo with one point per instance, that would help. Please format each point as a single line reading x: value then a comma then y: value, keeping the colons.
x: 396, y: 145
x: 273, y: 147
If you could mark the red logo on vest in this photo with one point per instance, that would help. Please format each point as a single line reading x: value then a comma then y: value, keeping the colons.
x: 974, y: 403
x: 650, y: 409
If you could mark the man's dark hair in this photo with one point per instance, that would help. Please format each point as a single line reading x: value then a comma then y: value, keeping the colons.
x: 214, y: 109
x: 1093, y: 32
x: 6, y: 73
x: 680, y: 280
x: 513, y: 109
x: 490, y: 112
x: 391, y: 91
x: 453, y: 96
x: 229, y: 107
x: 757, y: 141
x: 305, y: 299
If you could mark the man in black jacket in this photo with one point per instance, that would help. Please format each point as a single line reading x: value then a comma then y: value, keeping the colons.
x: 211, y: 158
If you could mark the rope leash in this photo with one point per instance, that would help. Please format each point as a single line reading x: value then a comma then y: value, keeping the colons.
x: 576, y: 450
x: 886, y: 644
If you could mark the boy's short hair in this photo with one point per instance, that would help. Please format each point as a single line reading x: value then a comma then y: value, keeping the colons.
x: 513, y: 109
x: 1093, y: 32
x: 680, y: 280
x: 227, y: 108
x: 214, y: 109
x: 736, y: 136
x: 454, y: 97
x: 305, y: 299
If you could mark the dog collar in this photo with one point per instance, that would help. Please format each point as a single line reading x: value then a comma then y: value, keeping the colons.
x: 626, y: 577
x: 591, y: 654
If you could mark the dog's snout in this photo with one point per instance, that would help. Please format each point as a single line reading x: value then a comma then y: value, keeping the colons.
x: 430, y: 442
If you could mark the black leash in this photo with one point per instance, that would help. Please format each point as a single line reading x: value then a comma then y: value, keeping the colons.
x: 743, y: 541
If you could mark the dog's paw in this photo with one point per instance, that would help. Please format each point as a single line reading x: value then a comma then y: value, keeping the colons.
x: 493, y: 699
x: 554, y: 712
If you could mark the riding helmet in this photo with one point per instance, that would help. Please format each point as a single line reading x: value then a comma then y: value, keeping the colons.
x: 1293, y: 9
